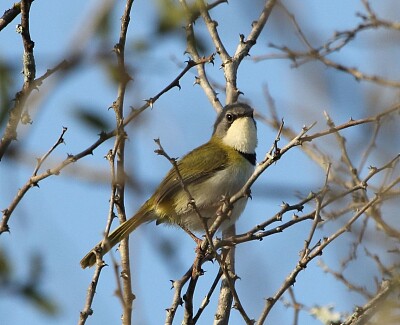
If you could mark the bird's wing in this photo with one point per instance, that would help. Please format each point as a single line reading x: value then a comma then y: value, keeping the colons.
x: 196, y: 166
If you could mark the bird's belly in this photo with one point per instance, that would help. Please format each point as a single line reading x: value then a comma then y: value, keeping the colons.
x: 209, y: 194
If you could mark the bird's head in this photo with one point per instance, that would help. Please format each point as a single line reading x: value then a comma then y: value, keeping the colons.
x: 236, y: 127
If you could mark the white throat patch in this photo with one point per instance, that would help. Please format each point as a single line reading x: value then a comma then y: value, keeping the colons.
x: 242, y: 135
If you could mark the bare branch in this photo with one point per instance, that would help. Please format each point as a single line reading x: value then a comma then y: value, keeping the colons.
x: 191, y: 49
x: 29, y: 71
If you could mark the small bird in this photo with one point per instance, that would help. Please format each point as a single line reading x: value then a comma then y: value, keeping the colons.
x: 211, y: 172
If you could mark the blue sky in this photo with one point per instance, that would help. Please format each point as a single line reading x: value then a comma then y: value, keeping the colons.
x: 65, y: 217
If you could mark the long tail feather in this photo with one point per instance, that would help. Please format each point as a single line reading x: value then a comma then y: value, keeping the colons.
x: 121, y: 232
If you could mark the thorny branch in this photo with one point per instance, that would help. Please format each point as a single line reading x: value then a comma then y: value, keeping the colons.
x: 16, y: 114
x: 125, y: 287
x: 29, y: 71
x: 191, y: 49
x: 334, y: 44
x: 32, y: 182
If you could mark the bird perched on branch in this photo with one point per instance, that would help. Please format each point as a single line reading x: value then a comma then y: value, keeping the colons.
x: 217, y: 169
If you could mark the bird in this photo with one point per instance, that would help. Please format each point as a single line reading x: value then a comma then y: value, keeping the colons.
x: 211, y: 172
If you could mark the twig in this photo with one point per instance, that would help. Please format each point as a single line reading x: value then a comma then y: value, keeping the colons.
x: 352, y: 123
x: 206, y: 299
x: 87, y: 310
x: 258, y: 234
x: 175, y: 83
x: 32, y: 182
x: 188, y: 299
x: 177, y: 300
x: 226, y: 295
x: 125, y: 290
x: 335, y: 44
x: 20, y: 99
x: 98, y: 250
x: 340, y: 277
x: 191, y: 49
x: 42, y: 159
x: 317, y: 217
x: 370, y: 146
x: 29, y: 71
x: 296, y: 306
x: 29, y: 66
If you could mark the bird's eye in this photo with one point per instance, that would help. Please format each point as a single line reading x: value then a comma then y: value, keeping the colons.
x: 229, y: 118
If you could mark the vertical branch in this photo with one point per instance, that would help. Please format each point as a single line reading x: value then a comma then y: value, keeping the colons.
x: 87, y: 310
x: 191, y: 49
x: 225, y: 298
x: 118, y: 106
x: 230, y: 66
x: 29, y: 71
x: 28, y: 58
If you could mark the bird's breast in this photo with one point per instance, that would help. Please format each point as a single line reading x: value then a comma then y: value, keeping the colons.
x: 209, y: 193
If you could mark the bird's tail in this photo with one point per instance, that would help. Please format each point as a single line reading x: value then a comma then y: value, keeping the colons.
x: 121, y: 232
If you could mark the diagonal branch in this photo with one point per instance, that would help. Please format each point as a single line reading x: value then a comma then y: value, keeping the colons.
x: 10, y: 14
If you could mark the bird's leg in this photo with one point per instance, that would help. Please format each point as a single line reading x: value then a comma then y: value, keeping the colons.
x: 196, y: 239
x: 196, y: 270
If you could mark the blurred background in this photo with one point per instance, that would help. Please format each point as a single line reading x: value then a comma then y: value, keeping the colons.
x: 57, y: 223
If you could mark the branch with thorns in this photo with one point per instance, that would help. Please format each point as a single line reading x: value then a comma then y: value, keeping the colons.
x: 333, y: 45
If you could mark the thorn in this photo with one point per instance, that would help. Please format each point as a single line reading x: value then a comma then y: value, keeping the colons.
x: 124, y: 275
x: 284, y: 205
x: 102, y: 134
x: 196, y: 81
x: 189, y: 61
x: 211, y: 58
x: 19, y: 29
x: 150, y: 101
